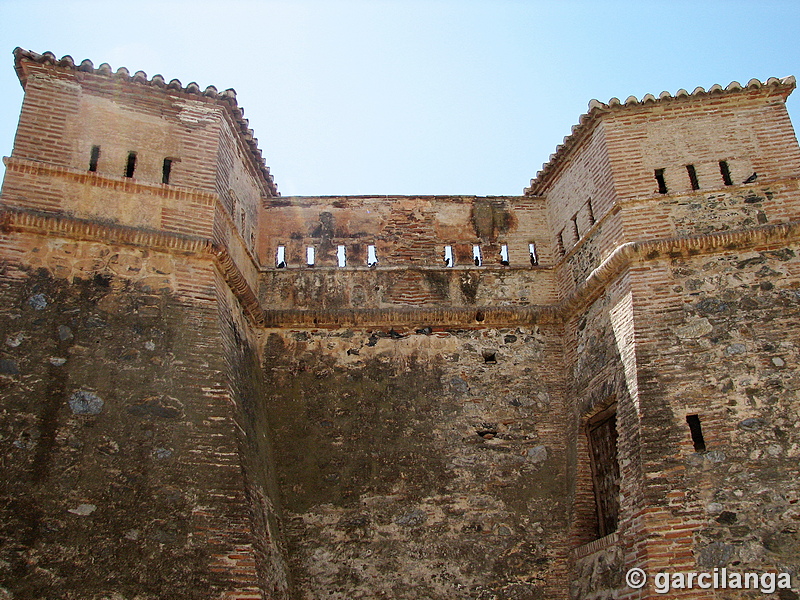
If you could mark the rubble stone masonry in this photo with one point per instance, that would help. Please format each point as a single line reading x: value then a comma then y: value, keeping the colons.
x: 213, y: 391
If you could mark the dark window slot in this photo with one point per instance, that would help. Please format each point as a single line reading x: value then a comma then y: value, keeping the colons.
x: 575, y: 227
x: 591, y: 212
x: 662, y: 184
x: 166, y: 170
x: 130, y: 167
x: 697, y: 433
x: 693, y: 177
x: 95, y: 156
x: 726, y: 172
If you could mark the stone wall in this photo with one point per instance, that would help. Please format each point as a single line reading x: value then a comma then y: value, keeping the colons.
x: 721, y: 349
x: 122, y: 470
x: 420, y: 465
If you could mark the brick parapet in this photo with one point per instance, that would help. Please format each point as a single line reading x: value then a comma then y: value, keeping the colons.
x: 406, y: 230
x: 142, y: 332
x: 142, y: 92
x: 594, y: 285
x: 599, y: 113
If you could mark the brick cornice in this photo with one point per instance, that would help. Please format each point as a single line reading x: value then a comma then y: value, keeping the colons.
x: 631, y: 253
x: 407, y: 317
x: 20, y: 219
x: 238, y: 284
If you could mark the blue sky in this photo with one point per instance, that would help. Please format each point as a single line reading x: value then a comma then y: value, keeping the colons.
x: 413, y: 97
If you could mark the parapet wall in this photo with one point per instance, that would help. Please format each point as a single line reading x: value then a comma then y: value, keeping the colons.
x: 410, y: 237
x: 406, y: 230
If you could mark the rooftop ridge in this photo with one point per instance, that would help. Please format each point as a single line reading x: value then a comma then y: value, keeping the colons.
x: 226, y: 97
x: 597, y: 109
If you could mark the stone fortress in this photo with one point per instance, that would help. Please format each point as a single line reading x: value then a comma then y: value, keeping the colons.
x: 213, y: 391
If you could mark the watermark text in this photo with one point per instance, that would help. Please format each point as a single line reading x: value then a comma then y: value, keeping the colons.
x: 718, y: 579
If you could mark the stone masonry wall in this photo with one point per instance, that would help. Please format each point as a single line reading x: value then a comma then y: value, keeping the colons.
x: 602, y: 358
x: 722, y: 348
x: 122, y: 474
x: 420, y: 465
x: 183, y: 418
x: 255, y: 439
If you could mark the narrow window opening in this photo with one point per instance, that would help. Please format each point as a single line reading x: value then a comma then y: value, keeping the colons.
x: 448, y: 256
x: 602, y: 434
x: 341, y: 256
x: 693, y: 177
x: 560, y: 243
x: 504, y: 255
x: 725, y: 172
x: 280, y: 257
x: 697, y: 433
x: 130, y: 167
x: 662, y: 184
x: 476, y: 255
x: 591, y: 212
x: 166, y: 170
x: 93, y: 158
x: 310, y: 259
x: 489, y: 357
x: 372, y: 256
x: 533, y: 255
x: 575, y: 231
